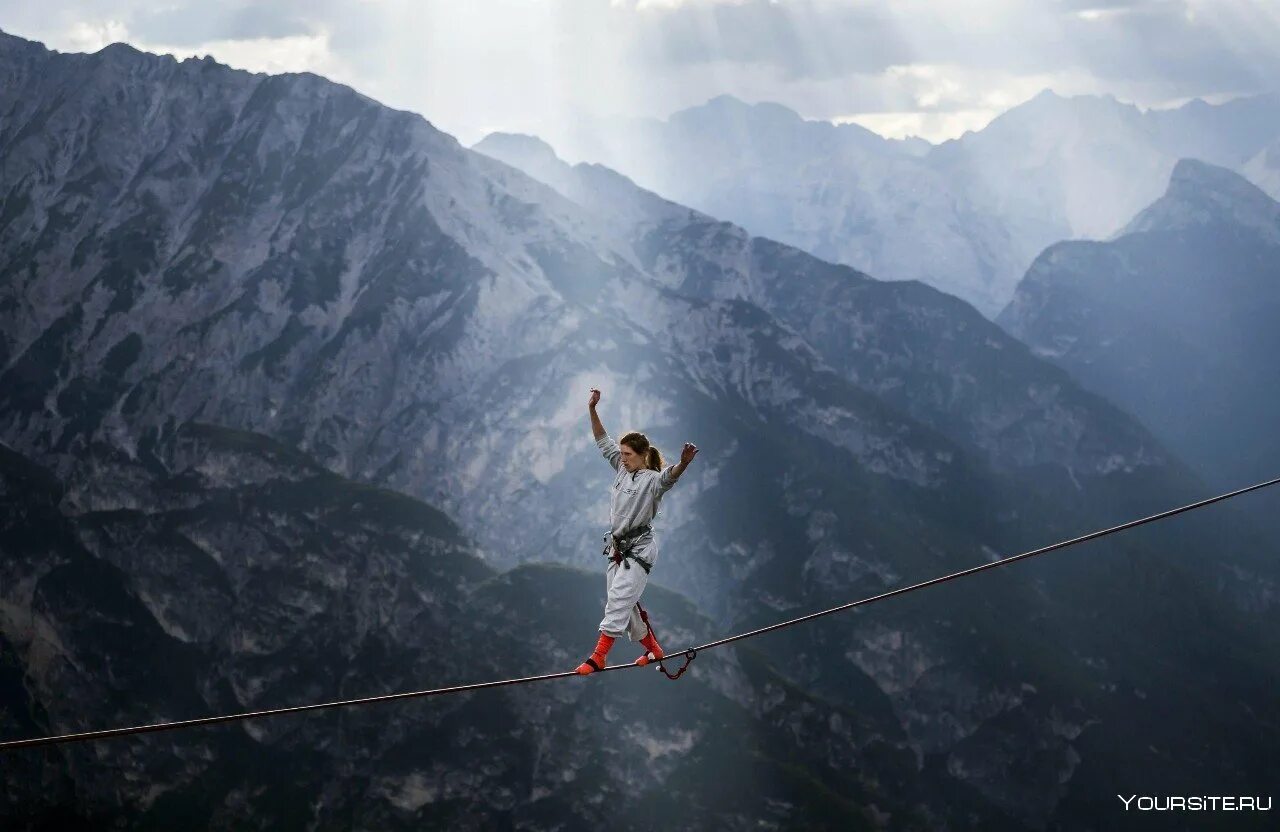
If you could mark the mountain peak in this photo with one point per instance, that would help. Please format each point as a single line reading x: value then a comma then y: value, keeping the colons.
x: 529, y: 154
x: 727, y: 106
x: 1193, y: 175
x: 1050, y: 114
x: 10, y: 43
x: 118, y: 47
x: 1201, y: 194
x: 726, y: 101
x: 520, y: 145
x: 120, y: 53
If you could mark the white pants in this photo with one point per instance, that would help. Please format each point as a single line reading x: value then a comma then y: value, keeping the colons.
x: 620, y: 612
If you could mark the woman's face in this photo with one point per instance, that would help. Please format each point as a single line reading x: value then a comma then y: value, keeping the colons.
x: 631, y: 460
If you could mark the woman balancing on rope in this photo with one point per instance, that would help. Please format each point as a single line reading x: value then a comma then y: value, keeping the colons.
x: 637, y: 489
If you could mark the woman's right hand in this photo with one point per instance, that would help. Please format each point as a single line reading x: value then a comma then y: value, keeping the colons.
x: 595, y: 398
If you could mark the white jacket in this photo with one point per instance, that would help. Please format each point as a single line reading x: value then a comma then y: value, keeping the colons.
x: 636, y: 495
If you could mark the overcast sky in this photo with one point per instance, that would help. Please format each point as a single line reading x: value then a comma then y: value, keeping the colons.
x: 907, y: 67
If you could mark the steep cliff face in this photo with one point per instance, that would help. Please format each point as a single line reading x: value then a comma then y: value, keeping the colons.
x: 924, y: 352
x: 221, y: 572
x: 291, y: 259
x: 214, y: 573
x: 1174, y: 319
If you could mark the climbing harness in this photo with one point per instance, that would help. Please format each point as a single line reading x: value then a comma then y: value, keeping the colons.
x: 690, y: 653
x: 618, y: 548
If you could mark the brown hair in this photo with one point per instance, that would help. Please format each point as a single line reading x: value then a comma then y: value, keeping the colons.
x: 639, y: 443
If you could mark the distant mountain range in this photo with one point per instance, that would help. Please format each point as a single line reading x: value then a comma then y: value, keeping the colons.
x: 1264, y: 169
x: 967, y: 216
x: 247, y: 322
x: 1175, y: 319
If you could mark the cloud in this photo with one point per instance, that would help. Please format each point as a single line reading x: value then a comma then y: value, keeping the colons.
x: 1075, y: 6
x: 90, y: 37
x: 291, y: 53
x: 190, y: 23
x: 801, y: 39
x: 535, y: 65
x: 942, y: 101
x: 1174, y: 43
x: 1179, y: 47
x: 933, y: 127
x: 287, y: 53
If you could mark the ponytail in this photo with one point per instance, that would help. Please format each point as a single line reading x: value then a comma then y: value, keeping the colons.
x: 639, y: 443
x: 653, y: 459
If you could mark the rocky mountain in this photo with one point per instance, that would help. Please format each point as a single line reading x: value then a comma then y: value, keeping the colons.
x: 1174, y: 319
x: 1225, y: 134
x: 967, y: 216
x: 219, y: 571
x: 287, y: 260
x: 1089, y: 163
x: 1264, y: 169
x: 922, y: 352
x: 396, y: 336
x: 839, y: 192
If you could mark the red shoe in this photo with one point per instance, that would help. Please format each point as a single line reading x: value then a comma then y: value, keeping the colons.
x: 596, y: 661
x: 653, y: 650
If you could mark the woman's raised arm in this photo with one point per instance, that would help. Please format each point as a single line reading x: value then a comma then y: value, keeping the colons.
x: 597, y: 429
x: 606, y: 444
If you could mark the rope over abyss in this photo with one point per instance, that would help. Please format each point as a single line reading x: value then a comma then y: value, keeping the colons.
x: 688, y: 653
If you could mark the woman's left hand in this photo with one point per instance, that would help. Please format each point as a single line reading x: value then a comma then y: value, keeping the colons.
x: 689, y: 452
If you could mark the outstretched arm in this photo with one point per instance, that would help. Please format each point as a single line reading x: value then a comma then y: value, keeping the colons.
x: 672, y: 472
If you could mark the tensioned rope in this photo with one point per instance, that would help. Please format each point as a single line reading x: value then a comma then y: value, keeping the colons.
x: 688, y: 653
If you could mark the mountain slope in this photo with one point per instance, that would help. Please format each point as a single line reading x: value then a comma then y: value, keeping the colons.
x: 1263, y: 169
x: 923, y: 352
x: 967, y: 216
x: 369, y: 330
x: 244, y: 576
x: 1174, y: 319
x: 295, y: 260
x: 837, y: 191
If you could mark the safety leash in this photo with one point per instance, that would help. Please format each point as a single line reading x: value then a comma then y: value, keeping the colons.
x: 689, y: 656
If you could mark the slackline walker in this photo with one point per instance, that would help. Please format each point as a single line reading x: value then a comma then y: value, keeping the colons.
x: 688, y: 654
x: 638, y: 487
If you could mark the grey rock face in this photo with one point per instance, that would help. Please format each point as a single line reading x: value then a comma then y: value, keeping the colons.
x: 967, y: 216
x: 1174, y: 319
x: 924, y: 352
x: 294, y: 259
x: 252, y: 578
x: 358, y: 295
